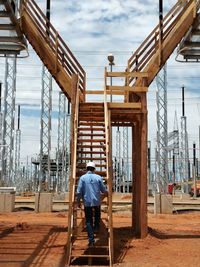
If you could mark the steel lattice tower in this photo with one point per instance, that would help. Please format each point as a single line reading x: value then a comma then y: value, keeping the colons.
x: 61, y: 144
x: 118, y: 160
x: 184, y: 154
x: 45, y: 127
x: 8, y: 119
x: 1, y: 136
x: 162, y: 131
x: 16, y: 175
x: 125, y: 161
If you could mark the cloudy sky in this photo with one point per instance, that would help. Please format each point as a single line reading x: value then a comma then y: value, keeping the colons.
x: 92, y: 30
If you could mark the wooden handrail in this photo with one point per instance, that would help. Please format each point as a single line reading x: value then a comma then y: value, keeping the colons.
x: 142, y: 56
x: 62, y: 52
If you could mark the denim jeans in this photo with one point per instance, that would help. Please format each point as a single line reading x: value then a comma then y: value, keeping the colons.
x: 92, y: 217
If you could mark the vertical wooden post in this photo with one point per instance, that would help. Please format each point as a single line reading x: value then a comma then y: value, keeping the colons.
x: 139, y: 210
x: 70, y: 210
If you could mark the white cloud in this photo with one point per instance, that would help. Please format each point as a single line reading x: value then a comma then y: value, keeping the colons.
x: 99, y: 27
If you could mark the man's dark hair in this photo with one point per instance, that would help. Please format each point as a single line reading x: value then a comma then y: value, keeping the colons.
x: 90, y: 169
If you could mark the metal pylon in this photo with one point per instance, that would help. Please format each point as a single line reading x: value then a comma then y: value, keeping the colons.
x: 118, y: 160
x: 184, y: 153
x: 16, y: 175
x: 61, y: 144
x: 125, y: 161
x: 162, y: 136
x: 45, y: 128
x: 8, y: 119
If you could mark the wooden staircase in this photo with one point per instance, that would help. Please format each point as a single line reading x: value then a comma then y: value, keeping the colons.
x: 92, y: 145
x: 51, y: 48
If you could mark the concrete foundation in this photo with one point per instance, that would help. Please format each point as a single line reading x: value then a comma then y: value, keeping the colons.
x: 7, y: 202
x: 43, y: 202
x: 163, y: 204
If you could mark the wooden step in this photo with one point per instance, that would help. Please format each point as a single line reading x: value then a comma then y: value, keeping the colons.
x: 91, y: 129
x: 91, y: 105
x: 93, y: 123
x: 91, y: 140
x: 92, y: 158
x: 91, y: 134
x: 91, y: 152
x: 93, y: 146
x: 90, y: 119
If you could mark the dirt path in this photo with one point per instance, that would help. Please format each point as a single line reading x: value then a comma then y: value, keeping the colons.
x: 31, y: 239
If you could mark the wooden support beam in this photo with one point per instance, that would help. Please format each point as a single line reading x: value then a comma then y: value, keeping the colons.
x: 139, y: 209
x: 124, y: 105
x: 134, y: 74
x: 127, y: 88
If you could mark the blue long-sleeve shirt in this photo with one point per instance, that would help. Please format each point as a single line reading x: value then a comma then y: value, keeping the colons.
x: 90, y: 187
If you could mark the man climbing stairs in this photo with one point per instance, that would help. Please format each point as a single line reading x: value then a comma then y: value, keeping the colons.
x: 91, y: 146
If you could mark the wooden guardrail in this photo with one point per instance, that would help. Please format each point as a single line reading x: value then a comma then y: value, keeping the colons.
x: 142, y: 56
x: 63, y: 54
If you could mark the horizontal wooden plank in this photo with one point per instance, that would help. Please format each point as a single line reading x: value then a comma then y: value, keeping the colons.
x: 127, y: 88
x: 135, y: 74
x: 91, y: 140
x: 91, y: 146
x: 91, y: 129
x: 124, y: 105
x: 89, y: 152
x: 93, y: 123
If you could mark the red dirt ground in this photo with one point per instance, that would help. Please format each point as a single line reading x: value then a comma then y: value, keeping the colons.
x: 38, y: 239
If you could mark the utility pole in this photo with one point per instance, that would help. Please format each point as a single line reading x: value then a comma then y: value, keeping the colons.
x: 194, y: 170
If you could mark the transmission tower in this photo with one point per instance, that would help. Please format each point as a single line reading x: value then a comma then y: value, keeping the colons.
x: 61, y: 144
x: 45, y: 128
x: 162, y: 132
x: 8, y: 119
x: 125, y: 161
x: 118, y: 161
x: 1, y: 136
x: 17, y: 179
x: 184, y: 155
